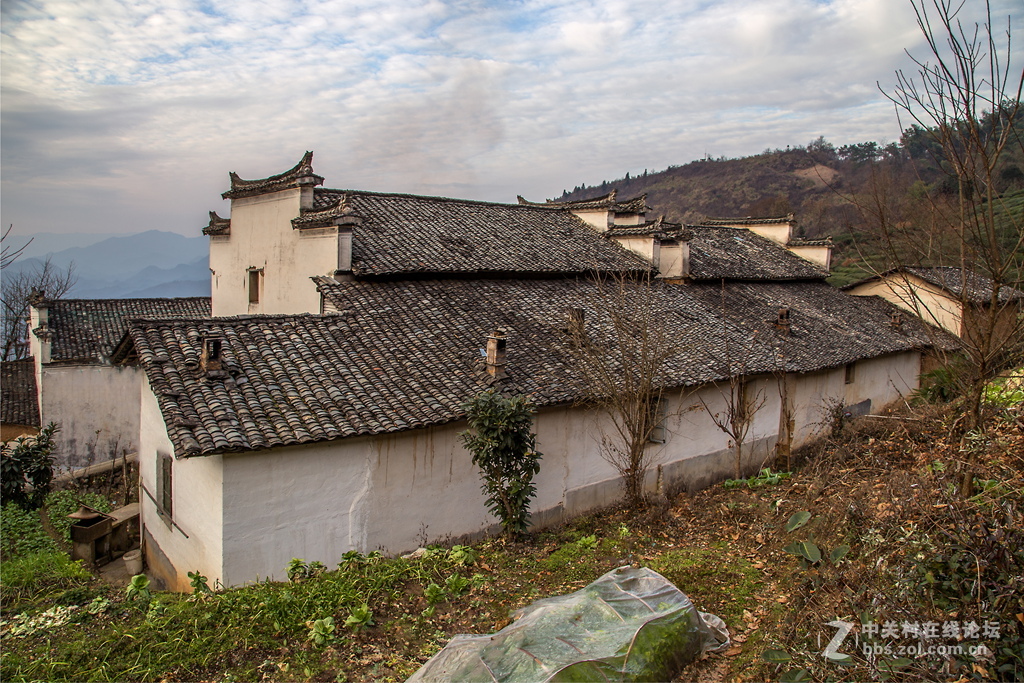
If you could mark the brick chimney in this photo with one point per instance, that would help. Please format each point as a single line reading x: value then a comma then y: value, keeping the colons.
x: 782, y: 322
x: 496, y: 354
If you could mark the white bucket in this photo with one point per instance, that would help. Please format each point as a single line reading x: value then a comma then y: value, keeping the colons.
x: 133, y: 562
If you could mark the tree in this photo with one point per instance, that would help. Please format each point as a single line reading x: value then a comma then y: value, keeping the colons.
x: 47, y: 278
x: 742, y: 396
x: 620, y: 368
x: 964, y: 105
x: 10, y: 255
x: 504, y: 447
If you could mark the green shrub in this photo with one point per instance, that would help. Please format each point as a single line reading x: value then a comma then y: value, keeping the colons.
x: 27, y: 462
x: 60, y: 504
x: 503, y: 445
x: 21, y: 533
x: 40, y: 575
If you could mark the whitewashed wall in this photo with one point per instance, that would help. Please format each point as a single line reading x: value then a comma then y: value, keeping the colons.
x: 395, y: 492
x: 197, y: 491
x: 96, y: 408
x: 921, y: 298
x: 262, y: 237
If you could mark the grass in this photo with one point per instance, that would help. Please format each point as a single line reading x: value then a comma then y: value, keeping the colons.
x: 877, y: 488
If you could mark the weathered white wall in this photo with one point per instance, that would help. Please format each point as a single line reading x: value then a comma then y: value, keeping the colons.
x: 393, y: 492
x: 640, y: 245
x: 599, y: 219
x: 196, y: 485
x: 262, y: 237
x: 921, y: 298
x: 819, y: 255
x: 885, y: 379
x: 776, y: 232
x: 96, y: 409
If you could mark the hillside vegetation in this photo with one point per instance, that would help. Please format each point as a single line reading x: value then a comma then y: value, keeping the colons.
x: 831, y: 192
x: 866, y: 528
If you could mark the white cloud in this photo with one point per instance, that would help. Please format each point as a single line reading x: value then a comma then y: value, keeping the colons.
x: 148, y: 104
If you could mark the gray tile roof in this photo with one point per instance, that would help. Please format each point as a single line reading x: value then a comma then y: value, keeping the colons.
x: 18, y: 400
x: 972, y: 287
x: 87, y: 330
x: 739, y: 254
x: 978, y: 288
x: 403, y: 355
x: 397, y: 234
x: 747, y: 220
x: 608, y: 201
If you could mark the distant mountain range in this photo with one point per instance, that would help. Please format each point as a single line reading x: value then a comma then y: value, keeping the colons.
x: 148, y: 264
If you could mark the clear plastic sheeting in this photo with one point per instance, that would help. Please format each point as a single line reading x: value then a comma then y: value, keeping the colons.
x: 631, y: 624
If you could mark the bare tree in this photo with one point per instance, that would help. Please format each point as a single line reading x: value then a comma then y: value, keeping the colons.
x: 742, y: 395
x: 964, y: 102
x: 46, y: 278
x: 621, y: 369
x: 10, y: 255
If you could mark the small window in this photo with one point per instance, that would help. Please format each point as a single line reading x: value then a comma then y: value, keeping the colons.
x: 164, y: 488
x: 659, y: 434
x: 254, y: 286
x: 851, y: 373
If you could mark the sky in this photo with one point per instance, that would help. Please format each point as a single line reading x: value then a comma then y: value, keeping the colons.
x: 128, y: 116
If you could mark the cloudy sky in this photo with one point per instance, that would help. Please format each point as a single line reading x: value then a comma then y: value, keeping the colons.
x: 123, y: 116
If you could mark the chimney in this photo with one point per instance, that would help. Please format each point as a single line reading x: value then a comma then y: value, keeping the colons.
x: 39, y: 324
x: 211, y: 358
x: 782, y: 323
x: 346, y: 222
x: 496, y: 354
x: 896, y: 320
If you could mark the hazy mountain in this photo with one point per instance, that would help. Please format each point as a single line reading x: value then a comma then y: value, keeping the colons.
x: 131, y: 266
x: 42, y: 243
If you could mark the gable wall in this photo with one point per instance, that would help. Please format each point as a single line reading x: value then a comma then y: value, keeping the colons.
x: 921, y: 298
x: 197, y: 485
x: 262, y: 237
x: 97, y: 420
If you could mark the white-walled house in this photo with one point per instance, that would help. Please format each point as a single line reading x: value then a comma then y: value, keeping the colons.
x: 319, y: 410
x: 77, y: 387
x: 951, y: 298
x: 271, y: 437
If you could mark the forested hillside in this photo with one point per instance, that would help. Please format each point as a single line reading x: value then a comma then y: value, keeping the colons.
x: 831, y: 191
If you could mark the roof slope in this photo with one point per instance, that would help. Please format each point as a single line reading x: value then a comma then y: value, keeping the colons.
x: 413, y: 235
x: 18, y: 400
x: 739, y: 254
x: 402, y: 355
x: 970, y: 286
x: 89, y: 329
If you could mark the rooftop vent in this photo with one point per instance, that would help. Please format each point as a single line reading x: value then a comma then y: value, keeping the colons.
x: 211, y: 359
x: 896, y: 320
x: 782, y: 322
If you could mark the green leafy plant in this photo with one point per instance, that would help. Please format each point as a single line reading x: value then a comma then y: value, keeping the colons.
x: 463, y: 555
x: 199, y: 584
x: 26, y: 469
x: 297, y: 569
x: 456, y: 584
x: 503, y: 445
x: 21, y: 533
x: 359, y: 618
x: 763, y: 478
x: 138, y: 589
x: 797, y: 520
x: 321, y: 631
x: 434, y: 594
x: 587, y: 542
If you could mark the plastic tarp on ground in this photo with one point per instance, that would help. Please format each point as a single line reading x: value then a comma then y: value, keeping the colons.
x: 631, y: 624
